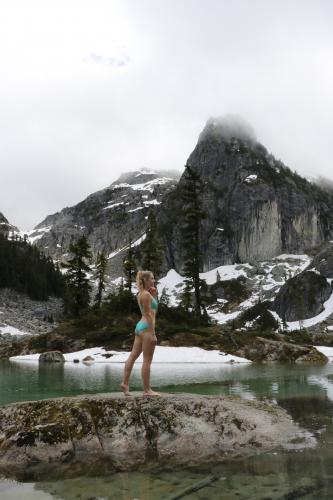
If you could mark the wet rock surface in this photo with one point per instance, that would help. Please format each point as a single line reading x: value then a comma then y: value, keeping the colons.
x: 55, y: 437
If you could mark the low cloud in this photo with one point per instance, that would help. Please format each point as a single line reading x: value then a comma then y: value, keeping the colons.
x: 90, y: 90
x: 120, y: 60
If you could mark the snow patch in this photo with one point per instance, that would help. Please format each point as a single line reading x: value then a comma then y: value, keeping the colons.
x: 152, y: 202
x: 135, y: 209
x: 113, y: 205
x: 146, y: 186
x: 162, y: 354
x: 11, y: 330
x: 251, y: 178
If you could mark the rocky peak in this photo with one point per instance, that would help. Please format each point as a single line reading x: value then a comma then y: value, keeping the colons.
x: 226, y: 128
x: 257, y: 208
x: 107, y: 217
x: 145, y: 175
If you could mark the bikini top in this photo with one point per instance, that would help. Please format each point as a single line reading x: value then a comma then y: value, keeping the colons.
x: 154, y: 305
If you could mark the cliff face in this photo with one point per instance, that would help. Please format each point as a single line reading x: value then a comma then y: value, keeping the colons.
x: 257, y: 207
x: 107, y: 217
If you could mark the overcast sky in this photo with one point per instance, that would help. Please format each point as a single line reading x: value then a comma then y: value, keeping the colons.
x: 91, y: 89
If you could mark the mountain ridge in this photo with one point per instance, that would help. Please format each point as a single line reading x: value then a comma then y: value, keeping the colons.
x: 108, y: 216
x: 257, y: 207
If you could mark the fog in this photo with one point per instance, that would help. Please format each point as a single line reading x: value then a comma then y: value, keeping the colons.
x: 92, y: 89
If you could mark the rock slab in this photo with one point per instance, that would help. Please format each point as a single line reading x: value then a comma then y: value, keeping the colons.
x: 55, y: 436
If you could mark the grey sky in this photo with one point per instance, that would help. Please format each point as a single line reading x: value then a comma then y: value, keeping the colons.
x: 90, y: 89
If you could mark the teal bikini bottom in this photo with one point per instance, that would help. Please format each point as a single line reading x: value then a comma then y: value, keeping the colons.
x: 140, y: 326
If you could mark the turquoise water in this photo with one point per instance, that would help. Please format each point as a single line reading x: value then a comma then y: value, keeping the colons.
x: 306, y: 392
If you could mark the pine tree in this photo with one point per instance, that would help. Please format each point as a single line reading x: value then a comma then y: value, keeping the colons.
x: 121, y: 285
x: 165, y: 298
x: 100, y: 276
x: 284, y: 324
x: 77, y: 281
x: 152, y: 248
x: 129, y: 267
x: 300, y: 307
x: 193, y: 214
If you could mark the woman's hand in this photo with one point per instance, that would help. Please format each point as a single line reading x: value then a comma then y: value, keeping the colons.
x: 153, y: 291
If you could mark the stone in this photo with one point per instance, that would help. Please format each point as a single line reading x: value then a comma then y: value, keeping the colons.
x: 323, y: 261
x: 51, y: 357
x: 44, y: 438
x: 88, y: 358
x: 302, y: 296
x: 279, y: 273
x: 263, y: 349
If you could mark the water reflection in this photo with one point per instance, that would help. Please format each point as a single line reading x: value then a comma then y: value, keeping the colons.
x: 22, y: 380
x: 304, y: 474
x: 306, y: 393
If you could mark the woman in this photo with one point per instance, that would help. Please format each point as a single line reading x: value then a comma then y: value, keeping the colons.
x: 145, y: 338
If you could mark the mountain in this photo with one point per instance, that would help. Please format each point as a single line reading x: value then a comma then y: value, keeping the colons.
x: 108, y: 217
x: 257, y: 207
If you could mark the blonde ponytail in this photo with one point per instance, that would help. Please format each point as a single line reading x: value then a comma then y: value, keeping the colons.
x: 141, y: 277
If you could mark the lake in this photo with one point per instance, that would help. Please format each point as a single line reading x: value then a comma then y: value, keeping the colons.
x: 306, y: 392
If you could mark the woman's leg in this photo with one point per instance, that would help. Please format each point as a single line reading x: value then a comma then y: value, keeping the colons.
x: 149, y: 342
x: 136, y: 351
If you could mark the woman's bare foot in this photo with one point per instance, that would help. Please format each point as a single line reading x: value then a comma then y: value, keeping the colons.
x: 124, y: 388
x: 151, y: 393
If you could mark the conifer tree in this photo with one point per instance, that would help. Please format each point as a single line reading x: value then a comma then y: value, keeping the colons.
x: 152, y: 248
x: 121, y: 285
x: 193, y: 214
x: 129, y: 266
x: 100, y: 276
x: 77, y: 280
x: 165, y: 298
x: 284, y: 324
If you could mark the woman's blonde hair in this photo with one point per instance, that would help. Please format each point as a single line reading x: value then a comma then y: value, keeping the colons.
x: 141, y: 277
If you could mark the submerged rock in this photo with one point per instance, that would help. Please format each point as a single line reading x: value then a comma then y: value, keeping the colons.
x: 109, y: 431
